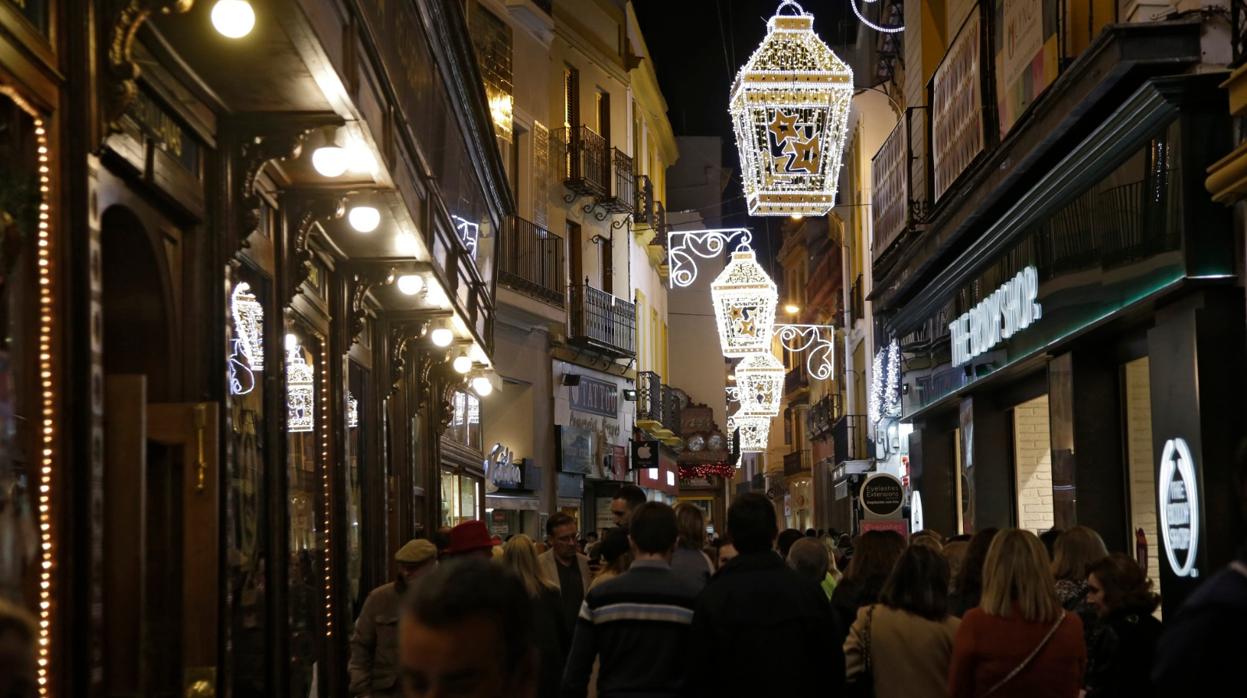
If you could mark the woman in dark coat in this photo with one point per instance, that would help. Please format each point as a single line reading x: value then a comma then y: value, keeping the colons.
x: 1120, y: 661
x: 874, y: 556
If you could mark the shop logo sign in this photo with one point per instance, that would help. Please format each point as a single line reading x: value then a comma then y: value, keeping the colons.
x: 1008, y: 310
x: 502, y: 470
x: 596, y: 397
x: 1179, y: 507
x: 915, y: 512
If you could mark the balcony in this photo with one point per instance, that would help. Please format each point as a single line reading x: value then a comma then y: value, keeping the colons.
x: 586, y: 168
x: 601, y: 322
x: 673, y: 402
x: 797, y: 463
x: 643, y: 201
x: 622, y: 195
x: 532, y: 262
x: 822, y: 415
x: 796, y: 380
x: 857, y: 301
x: 851, y: 438
x: 648, y: 400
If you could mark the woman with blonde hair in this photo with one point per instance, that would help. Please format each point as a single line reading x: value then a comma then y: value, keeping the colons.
x: 688, y: 560
x: 1073, y: 554
x: 1019, y: 641
x: 519, y: 556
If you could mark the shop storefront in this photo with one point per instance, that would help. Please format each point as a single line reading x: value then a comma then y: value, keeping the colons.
x: 1080, y: 358
x: 594, y: 426
x: 511, y: 505
x: 462, y: 472
x: 656, y: 470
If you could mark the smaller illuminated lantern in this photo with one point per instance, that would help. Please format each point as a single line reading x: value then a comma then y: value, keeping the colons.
x: 790, y: 110
x: 760, y: 378
x: 754, y: 431
x: 744, y: 305
x: 248, y: 325
x: 300, y: 393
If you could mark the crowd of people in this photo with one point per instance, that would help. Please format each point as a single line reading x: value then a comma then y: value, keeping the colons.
x: 652, y: 608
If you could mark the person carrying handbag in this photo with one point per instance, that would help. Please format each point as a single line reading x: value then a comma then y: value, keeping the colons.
x: 1019, y: 642
x: 901, y: 647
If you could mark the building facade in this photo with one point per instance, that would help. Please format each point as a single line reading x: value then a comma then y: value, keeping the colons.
x: 1046, y: 235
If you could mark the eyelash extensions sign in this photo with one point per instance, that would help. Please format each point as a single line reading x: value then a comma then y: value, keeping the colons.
x: 1008, y: 310
x: 1179, y: 507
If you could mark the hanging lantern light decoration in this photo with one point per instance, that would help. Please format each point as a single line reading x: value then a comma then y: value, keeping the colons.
x: 300, y: 393
x: 760, y: 378
x: 790, y: 109
x: 744, y: 305
x: 755, y: 430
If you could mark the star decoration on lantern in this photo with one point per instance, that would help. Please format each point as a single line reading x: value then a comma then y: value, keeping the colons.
x: 784, y: 126
x: 805, y: 155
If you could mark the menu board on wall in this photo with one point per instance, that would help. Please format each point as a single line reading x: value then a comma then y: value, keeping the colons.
x: 957, y: 107
x: 576, y: 450
x: 1026, y: 55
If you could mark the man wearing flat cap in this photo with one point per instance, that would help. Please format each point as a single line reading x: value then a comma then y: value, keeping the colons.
x: 374, y: 644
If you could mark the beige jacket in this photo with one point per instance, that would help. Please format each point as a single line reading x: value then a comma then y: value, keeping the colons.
x: 909, y: 654
x: 547, y: 563
x: 374, y: 644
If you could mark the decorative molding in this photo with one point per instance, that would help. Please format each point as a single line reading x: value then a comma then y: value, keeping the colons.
x: 686, y: 245
x: 359, y: 284
x: 124, y: 71
x: 308, y: 211
x: 255, y: 151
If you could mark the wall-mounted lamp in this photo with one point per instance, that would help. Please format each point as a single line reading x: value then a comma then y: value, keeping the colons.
x: 629, y: 394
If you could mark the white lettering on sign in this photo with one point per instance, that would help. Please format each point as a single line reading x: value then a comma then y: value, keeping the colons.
x: 1179, y: 507
x: 1008, y: 310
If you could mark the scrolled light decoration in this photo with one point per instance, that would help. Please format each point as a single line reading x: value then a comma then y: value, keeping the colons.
x: 685, y: 245
x: 760, y: 382
x: 821, y: 351
x: 790, y: 109
x: 744, y: 305
x: 886, y: 29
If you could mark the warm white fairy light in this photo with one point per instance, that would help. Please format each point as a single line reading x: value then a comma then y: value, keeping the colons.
x: 755, y: 431
x: 790, y: 109
x: 875, y: 403
x: 744, y: 305
x: 877, y: 27
x: 891, y: 403
x: 760, y: 382
x: 325, y: 431
x: 352, y: 411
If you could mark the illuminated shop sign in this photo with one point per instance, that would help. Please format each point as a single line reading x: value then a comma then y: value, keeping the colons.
x: 1009, y: 309
x: 1179, y: 507
x: 596, y: 397
x: 502, y: 470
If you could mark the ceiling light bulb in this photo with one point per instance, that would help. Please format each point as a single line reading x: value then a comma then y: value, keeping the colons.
x: 292, y: 342
x: 410, y: 284
x: 481, y: 386
x: 792, y: 309
x: 442, y: 337
x: 330, y: 160
x: 462, y: 364
x: 234, y: 19
x: 364, y: 219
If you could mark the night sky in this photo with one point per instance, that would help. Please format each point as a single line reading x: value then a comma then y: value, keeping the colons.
x: 698, y: 46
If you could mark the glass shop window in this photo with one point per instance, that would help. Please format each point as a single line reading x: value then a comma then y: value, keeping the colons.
x: 465, y: 424
x: 19, y: 387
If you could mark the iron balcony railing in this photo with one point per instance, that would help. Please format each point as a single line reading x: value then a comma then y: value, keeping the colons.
x: 822, y: 415
x: 648, y: 399
x: 601, y: 321
x: 673, y: 402
x: 532, y: 262
x: 850, y: 436
x: 857, y: 301
x: 586, y: 167
x: 643, y: 201
x: 797, y: 462
x: 796, y: 379
x: 622, y: 195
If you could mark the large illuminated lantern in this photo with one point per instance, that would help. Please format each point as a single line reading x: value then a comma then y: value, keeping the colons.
x: 760, y: 379
x: 790, y: 108
x: 744, y: 305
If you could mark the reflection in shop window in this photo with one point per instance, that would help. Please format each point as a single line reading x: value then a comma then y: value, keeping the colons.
x: 465, y: 424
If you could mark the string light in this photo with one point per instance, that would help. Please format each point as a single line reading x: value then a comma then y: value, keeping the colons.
x: 744, y: 305
x: 760, y: 383
x: 300, y: 390
x: 691, y: 472
x: 248, y: 320
x: 325, y: 487
x: 790, y: 108
x: 755, y: 431
x: 47, y: 454
x: 877, y: 27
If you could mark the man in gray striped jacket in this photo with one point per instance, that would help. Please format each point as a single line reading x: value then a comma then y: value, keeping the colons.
x: 637, y: 624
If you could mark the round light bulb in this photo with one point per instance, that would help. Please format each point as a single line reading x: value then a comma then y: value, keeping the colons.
x: 410, y: 284
x: 234, y: 19
x: 292, y: 342
x: 462, y: 364
x: 330, y: 160
x: 364, y: 219
x: 442, y: 337
x: 792, y: 309
x: 481, y: 386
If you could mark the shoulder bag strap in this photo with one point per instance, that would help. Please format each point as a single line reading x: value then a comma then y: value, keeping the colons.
x: 1026, y: 662
x: 870, y: 612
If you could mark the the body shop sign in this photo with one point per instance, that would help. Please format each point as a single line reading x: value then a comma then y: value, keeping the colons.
x: 1179, y: 508
x: 1009, y: 309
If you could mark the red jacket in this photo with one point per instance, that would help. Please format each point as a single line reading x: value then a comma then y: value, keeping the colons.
x: 988, y: 647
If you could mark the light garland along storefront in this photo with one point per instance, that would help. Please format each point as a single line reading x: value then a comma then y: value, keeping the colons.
x: 1081, y: 362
